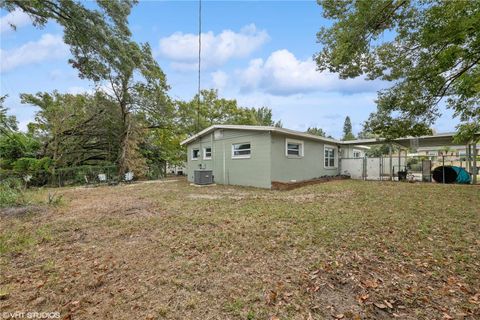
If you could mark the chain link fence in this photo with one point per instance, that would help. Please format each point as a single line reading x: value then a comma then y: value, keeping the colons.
x: 79, y: 175
x: 413, y: 168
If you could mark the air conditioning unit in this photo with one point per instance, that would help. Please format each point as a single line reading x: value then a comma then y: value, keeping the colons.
x: 203, y: 177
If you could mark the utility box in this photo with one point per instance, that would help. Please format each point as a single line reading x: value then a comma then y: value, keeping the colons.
x: 203, y: 177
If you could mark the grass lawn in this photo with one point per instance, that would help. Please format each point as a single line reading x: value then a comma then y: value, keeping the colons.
x: 343, y: 249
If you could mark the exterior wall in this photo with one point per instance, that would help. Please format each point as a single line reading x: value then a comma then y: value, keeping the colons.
x: 201, y: 163
x: 289, y: 168
x: 347, y: 151
x: 253, y: 171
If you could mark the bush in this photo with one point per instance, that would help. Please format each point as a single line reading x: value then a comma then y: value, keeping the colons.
x: 11, y: 193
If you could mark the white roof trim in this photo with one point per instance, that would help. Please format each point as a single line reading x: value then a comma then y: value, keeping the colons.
x: 259, y: 128
x: 305, y: 135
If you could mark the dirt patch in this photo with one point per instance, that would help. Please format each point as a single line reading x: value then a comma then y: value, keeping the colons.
x: 205, y: 196
x: 22, y: 211
x: 277, y: 185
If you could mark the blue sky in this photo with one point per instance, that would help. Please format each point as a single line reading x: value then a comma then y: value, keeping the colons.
x: 258, y: 52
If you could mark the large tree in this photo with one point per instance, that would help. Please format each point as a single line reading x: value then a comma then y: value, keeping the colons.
x: 103, y: 51
x: 193, y: 117
x: 75, y: 129
x: 428, y: 49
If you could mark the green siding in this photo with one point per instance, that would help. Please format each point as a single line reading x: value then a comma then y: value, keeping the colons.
x: 254, y: 171
x: 310, y: 166
x: 268, y: 161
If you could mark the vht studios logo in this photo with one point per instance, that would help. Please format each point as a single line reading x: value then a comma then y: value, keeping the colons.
x: 30, y: 315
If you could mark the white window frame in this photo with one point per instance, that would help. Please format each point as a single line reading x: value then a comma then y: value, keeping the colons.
x: 300, y: 151
x: 359, y: 151
x: 242, y: 156
x: 193, y: 152
x: 205, y: 157
x: 335, y: 155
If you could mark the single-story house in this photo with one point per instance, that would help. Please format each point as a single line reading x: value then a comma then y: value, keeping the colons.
x: 257, y: 155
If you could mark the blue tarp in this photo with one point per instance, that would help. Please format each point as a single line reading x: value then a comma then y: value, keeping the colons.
x: 462, y: 175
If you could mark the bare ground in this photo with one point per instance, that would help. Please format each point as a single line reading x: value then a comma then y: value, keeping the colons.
x: 344, y: 249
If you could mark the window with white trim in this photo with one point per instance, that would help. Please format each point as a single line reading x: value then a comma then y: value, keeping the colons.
x: 207, y: 153
x: 329, y: 157
x: 357, y: 154
x: 195, y: 154
x: 241, y: 150
x: 293, y: 148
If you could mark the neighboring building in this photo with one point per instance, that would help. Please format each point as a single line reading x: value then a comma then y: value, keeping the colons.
x: 450, y: 151
x: 257, y: 155
x: 176, y: 169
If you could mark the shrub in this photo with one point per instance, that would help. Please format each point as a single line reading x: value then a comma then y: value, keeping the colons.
x: 11, y: 193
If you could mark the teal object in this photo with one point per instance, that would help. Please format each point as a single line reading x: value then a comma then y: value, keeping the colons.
x: 463, y: 176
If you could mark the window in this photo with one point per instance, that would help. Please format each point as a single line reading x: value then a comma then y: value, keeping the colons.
x: 195, y: 154
x: 241, y: 150
x: 357, y: 153
x: 329, y: 157
x: 293, y: 148
x: 207, y: 153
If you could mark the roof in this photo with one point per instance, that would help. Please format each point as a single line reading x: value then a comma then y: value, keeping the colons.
x: 439, y: 139
x: 260, y: 128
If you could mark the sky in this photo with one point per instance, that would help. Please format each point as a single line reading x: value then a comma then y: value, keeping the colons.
x: 258, y: 52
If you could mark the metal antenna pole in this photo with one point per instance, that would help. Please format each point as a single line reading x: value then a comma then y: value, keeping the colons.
x: 199, y: 60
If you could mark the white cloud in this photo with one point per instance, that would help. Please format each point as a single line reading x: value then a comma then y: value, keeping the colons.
x: 46, y: 48
x: 17, y: 18
x: 219, y: 79
x: 283, y: 74
x: 326, y: 110
x: 182, y: 48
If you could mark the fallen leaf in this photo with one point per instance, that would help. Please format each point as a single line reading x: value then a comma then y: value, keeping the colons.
x: 271, y: 297
x: 380, y: 305
x: 388, y: 304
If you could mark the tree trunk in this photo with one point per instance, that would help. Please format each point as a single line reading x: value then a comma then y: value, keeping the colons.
x: 124, y: 143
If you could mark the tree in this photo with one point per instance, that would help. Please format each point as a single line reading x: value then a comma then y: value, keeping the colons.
x: 429, y: 50
x: 347, y: 129
x: 377, y: 150
x: 316, y: 131
x: 7, y: 123
x: 264, y: 117
x: 75, y: 129
x: 13, y: 144
x: 216, y: 110
x: 103, y: 51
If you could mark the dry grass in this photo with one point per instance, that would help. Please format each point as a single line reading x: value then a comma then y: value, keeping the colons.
x: 344, y: 249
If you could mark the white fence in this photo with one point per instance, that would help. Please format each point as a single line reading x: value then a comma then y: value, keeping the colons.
x: 382, y: 168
